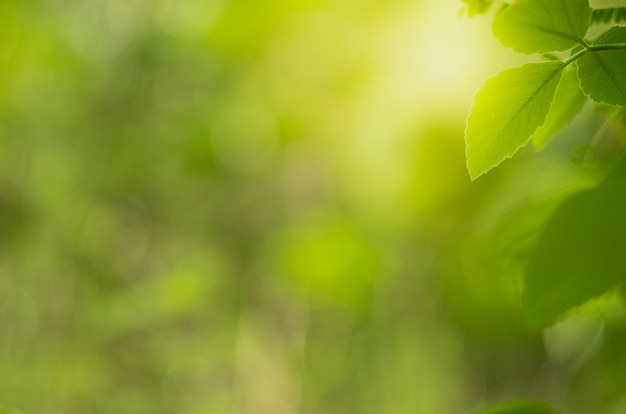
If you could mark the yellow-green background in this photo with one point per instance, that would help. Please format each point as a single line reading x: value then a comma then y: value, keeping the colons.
x: 261, y: 206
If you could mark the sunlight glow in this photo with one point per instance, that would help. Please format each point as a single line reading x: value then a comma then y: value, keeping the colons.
x: 443, y: 56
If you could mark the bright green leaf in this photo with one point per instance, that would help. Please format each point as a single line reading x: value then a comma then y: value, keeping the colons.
x: 507, y: 109
x: 580, y: 254
x: 520, y: 407
x: 568, y: 101
x: 539, y: 26
x: 602, y: 73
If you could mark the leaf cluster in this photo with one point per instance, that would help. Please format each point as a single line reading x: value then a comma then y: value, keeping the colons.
x: 537, y: 99
x: 578, y: 254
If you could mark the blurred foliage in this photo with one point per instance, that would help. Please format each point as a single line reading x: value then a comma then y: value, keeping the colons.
x: 262, y: 207
x: 523, y: 407
x: 478, y: 6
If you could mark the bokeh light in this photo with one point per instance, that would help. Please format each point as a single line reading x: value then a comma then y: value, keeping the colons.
x: 262, y: 207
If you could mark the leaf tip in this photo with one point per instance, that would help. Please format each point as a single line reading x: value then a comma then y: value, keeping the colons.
x: 473, y: 173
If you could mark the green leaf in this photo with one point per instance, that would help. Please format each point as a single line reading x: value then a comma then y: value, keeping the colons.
x: 568, y: 101
x: 602, y: 73
x: 580, y: 254
x: 507, y: 109
x: 520, y: 407
x: 608, y: 15
x: 539, y: 26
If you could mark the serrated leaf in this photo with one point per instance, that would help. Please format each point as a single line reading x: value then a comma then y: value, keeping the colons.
x: 602, y: 16
x: 539, y: 26
x: 609, y: 15
x: 580, y: 254
x: 507, y: 109
x: 520, y: 407
x: 568, y: 101
x: 602, y: 73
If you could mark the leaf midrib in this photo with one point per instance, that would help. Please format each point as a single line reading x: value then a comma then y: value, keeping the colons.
x: 515, y: 116
x: 557, y: 33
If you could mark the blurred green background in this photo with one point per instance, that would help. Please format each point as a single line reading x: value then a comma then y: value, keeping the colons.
x: 235, y: 206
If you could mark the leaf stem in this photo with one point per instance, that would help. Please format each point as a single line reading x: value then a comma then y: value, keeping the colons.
x: 575, y: 57
x: 592, y: 48
x: 615, y: 46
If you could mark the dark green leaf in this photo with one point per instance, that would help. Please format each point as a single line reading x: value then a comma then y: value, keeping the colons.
x: 568, y: 101
x: 602, y: 73
x: 539, y: 26
x: 580, y: 254
x: 609, y: 15
x: 507, y: 109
